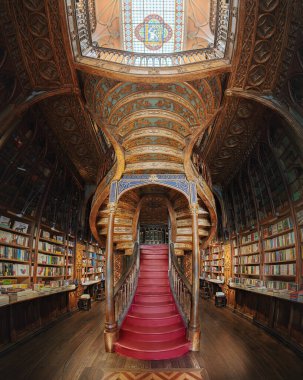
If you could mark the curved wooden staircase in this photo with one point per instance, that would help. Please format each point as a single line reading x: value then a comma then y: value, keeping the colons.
x: 153, y: 328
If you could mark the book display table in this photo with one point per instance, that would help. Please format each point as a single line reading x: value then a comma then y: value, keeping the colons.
x: 22, y: 317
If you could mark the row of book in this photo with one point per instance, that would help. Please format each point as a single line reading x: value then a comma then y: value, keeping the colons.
x: 281, y: 285
x: 254, y: 236
x: 217, y: 262
x: 13, y: 224
x: 50, y: 271
x: 236, y: 260
x: 253, y: 259
x: 11, y: 238
x: 280, y: 241
x: 51, y: 236
x: 249, y: 249
x: 13, y: 253
x: 51, y: 248
x: 300, y: 216
x: 48, y: 259
x: 285, y: 255
x: 88, y: 271
x: 280, y: 226
x: 254, y: 269
x: 10, y: 269
x: 217, y: 269
x: 280, y: 270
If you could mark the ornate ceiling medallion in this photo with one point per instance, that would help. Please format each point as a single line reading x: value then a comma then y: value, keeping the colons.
x: 153, y: 32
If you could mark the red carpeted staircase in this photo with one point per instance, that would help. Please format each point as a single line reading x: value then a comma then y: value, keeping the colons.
x: 153, y: 328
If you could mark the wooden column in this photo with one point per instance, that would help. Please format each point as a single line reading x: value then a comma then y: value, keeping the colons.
x: 194, y: 324
x: 111, y: 330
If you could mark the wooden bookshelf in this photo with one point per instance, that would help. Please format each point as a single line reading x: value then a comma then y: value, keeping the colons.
x: 212, y: 262
x: 15, y: 248
x: 55, y: 255
x: 279, y: 250
x: 93, y: 263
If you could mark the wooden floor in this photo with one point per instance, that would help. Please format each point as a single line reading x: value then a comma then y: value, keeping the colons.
x: 231, y: 349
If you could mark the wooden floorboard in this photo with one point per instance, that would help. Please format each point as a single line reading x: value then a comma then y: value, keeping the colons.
x: 232, y: 348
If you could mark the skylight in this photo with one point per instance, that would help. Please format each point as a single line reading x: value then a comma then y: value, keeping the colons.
x: 153, y: 26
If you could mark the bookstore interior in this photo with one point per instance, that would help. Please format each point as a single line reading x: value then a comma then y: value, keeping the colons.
x: 151, y: 189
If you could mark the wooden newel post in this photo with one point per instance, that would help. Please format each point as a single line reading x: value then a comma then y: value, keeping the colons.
x: 194, y: 324
x: 111, y: 329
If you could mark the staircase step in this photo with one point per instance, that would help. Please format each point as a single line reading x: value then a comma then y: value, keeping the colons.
x: 152, y: 281
x: 153, y: 247
x: 143, y: 299
x: 154, y: 262
x: 159, y: 320
x: 152, y: 334
x: 153, y: 289
x: 147, y: 310
x: 154, y: 268
x: 152, y: 350
x: 153, y: 274
x: 148, y: 256
x: 157, y: 252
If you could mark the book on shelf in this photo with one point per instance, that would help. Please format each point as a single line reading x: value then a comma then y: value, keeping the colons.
x: 11, y: 238
x: 20, y: 227
x: 5, y: 221
x: 248, y: 249
x: 45, y: 234
x: 300, y: 216
x: 254, y: 236
x: 10, y: 269
x: 279, y: 241
x: 282, y: 225
x: 280, y: 269
x: 13, y: 253
x: 283, y: 255
x: 59, y: 238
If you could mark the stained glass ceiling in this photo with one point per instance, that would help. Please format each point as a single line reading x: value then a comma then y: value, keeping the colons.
x: 153, y: 26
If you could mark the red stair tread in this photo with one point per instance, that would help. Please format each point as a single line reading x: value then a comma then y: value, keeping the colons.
x: 152, y: 329
x: 153, y: 315
x: 152, y: 346
x: 155, y: 330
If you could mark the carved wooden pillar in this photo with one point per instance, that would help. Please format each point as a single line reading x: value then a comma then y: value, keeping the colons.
x: 111, y: 330
x: 194, y: 324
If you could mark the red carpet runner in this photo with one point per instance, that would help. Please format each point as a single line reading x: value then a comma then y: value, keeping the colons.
x: 153, y: 328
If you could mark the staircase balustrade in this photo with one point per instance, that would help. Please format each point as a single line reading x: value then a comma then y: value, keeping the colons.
x: 181, y: 287
x: 126, y: 287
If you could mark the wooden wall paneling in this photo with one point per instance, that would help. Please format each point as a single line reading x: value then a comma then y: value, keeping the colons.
x: 282, y: 317
x: 296, y: 327
x: 262, y: 310
x: 5, y: 326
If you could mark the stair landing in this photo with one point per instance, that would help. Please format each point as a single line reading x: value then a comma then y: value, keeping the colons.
x: 153, y: 328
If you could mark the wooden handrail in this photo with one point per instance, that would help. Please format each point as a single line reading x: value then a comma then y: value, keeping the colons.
x: 126, y: 287
x: 178, y: 269
x: 128, y: 270
x: 181, y: 288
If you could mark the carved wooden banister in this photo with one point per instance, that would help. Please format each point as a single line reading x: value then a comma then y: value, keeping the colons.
x: 180, y: 286
x: 126, y: 287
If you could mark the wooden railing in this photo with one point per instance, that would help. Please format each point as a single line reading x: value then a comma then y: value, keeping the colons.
x: 154, y: 60
x: 84, y: 46
x: 126, y: 287
x: 180, y: 286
